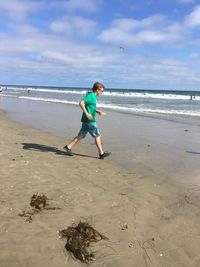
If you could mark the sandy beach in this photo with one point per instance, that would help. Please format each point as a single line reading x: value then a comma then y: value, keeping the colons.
x: 148, y: 223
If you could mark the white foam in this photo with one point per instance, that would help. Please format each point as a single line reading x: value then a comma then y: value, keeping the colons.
x: 109, y: 93
x: 147, y: 110
x: 4, y: 95
x: 153, y: 95
x: 49, y: 100
x: 82, y: 92
x: 120, y: 108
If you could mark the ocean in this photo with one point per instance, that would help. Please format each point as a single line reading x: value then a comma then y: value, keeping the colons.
x: 142, y: 102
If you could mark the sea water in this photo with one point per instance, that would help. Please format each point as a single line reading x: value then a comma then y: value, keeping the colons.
x: 132, y: 101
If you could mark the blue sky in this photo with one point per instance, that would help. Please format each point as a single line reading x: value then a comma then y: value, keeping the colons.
x: 122, y: 43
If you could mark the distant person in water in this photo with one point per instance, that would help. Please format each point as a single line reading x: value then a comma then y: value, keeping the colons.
x: 88, y: 105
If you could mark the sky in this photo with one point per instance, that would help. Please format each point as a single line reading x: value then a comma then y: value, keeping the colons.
x: 151, y: 44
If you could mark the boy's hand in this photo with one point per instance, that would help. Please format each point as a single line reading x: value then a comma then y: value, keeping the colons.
x: 89, y: 117
x: 101, y: 113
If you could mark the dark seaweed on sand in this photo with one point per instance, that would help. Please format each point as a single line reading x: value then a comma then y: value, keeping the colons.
x: 79, y: 238
x: 38, y: 201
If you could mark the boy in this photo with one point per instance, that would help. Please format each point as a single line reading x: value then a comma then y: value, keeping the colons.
x: 88, y: 105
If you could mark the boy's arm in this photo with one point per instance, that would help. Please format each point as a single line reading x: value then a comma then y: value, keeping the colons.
x: 82, y: 105
x: 100, y: 112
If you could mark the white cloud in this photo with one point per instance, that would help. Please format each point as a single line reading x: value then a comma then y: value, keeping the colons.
x: 32, y: 46
x: 84, y: 60
x: 74, y: 26
x: 62, y: 49
x: 88, y: 6
x: 186, y: 1
x: 195, y: 55
x: 151, y: 30
x: 128, y: 24
x: 18, y: 9
x: 193, y: 19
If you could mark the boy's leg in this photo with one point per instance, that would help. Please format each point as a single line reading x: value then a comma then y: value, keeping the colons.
x: 75, y: 140
x: 82, y: 133
x: 98, y: 144
x: 94, y: 132
x: 102, y: 154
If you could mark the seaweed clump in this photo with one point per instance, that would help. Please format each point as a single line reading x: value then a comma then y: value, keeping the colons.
x: 38, y: 201
x: 79, y: 237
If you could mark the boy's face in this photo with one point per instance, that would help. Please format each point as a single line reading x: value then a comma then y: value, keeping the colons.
x: 99, y: 91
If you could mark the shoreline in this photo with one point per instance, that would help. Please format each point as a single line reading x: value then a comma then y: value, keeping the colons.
x: 162, y: 219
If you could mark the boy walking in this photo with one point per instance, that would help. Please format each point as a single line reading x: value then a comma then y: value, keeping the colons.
x: 88, y: 105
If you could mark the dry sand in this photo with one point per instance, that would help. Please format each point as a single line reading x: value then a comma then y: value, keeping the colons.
x: 147, y: 223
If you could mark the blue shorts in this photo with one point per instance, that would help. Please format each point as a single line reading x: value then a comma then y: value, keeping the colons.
x: 89, y: 127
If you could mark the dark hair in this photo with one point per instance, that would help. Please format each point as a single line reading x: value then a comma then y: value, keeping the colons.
x: 96, y: 86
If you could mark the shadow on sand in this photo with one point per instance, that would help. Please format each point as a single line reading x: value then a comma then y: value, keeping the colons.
x: 44, y: 148
x: 193, y: 152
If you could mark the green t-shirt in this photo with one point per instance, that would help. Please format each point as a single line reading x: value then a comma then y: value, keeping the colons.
x: 90, y: 104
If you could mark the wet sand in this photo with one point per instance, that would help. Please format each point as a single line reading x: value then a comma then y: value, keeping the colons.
x: 149, y: 221
x: 160, y: 148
